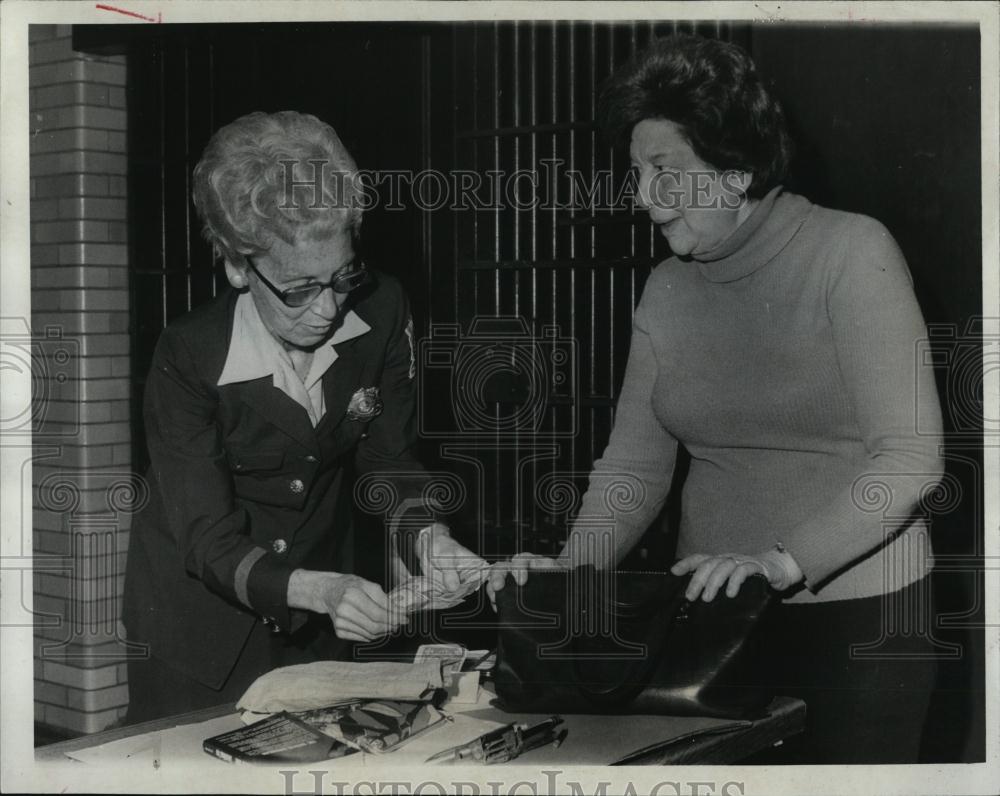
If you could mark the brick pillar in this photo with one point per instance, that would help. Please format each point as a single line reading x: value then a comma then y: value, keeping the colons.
x: 84, y: 491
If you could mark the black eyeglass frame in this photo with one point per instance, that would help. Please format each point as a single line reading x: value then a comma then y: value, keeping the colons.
x: 342, y: 283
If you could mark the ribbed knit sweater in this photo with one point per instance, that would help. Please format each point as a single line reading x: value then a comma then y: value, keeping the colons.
x: 787, y: 362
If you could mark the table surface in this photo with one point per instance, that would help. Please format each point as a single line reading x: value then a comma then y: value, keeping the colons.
x: 600, y: 740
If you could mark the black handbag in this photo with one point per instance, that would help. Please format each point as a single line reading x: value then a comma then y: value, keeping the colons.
x: 583, y: 641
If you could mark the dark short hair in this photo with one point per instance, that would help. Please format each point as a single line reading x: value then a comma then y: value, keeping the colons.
x: 709, y: 88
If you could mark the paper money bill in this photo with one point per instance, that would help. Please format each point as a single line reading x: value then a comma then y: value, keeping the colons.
x: 426, y: 593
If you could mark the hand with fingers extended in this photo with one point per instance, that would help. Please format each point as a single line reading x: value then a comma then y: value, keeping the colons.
x: 712, y: 572
x: 518, y: 566
x: 445, y: 560
x: 358, y: 608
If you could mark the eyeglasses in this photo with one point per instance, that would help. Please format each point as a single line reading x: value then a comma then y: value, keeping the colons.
x: 343, y: 283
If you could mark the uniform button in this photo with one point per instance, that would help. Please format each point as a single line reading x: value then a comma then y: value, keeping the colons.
x: 365, y: 435
x: 297, y: 486
x: 279, y: 545
x: 311, y: 459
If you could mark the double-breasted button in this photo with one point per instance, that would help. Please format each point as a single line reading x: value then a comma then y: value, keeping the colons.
x: 279, y: 545
x: 311, y: 459
x: 296, y: 486
x: 364, y: 435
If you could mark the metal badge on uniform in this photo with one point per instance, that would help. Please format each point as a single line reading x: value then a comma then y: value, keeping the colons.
x: 413, y: 355
x: 365, y: 404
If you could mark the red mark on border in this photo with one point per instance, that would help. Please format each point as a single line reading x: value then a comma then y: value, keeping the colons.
x: 102, y: 7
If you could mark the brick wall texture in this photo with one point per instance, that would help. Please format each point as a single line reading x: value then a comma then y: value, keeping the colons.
x: 83, y: 489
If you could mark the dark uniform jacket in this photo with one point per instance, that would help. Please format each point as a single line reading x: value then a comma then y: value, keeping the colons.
x: 243, y: 488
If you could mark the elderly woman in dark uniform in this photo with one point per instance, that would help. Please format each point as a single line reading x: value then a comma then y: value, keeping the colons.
x: 256, y: 404
x: 778, y: 346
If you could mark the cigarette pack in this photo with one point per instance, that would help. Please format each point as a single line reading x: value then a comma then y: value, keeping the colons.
x: 280, y: 738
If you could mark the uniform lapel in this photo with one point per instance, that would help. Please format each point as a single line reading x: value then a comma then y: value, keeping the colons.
x: 343, y: 378
x: 260, y: 394
x: 280, y: 410
x: 341, y: 381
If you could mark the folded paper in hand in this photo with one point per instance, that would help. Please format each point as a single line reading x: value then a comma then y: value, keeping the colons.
x: 428, y: 593
x: 323, y: 683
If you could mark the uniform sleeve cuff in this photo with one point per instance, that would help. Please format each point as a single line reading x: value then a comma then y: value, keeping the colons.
x: 262, y: 579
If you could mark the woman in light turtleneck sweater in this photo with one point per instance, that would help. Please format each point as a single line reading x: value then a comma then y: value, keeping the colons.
x: 779, y: 346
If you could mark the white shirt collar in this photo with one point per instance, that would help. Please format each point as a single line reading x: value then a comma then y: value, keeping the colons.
x: 255, y: 353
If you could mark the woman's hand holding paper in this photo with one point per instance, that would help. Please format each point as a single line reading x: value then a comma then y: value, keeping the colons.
x: 358, y: 608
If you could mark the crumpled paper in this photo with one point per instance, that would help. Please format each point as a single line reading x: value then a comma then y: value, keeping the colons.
x: 316, y: 685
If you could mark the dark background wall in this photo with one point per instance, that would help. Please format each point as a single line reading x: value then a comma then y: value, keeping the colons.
x: 887, y: 123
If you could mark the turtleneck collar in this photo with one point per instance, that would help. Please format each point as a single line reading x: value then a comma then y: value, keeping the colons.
x: 755, y: 242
